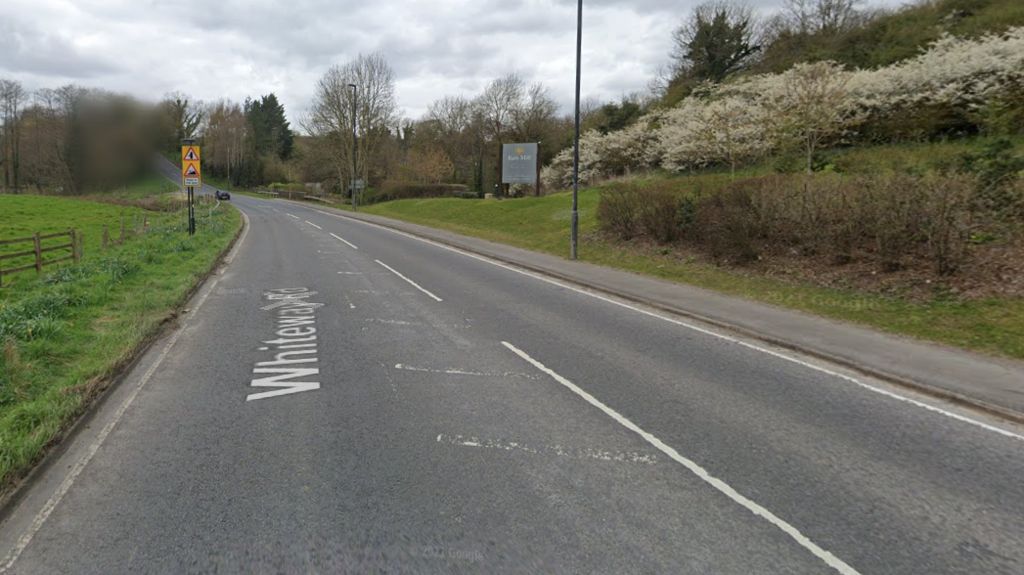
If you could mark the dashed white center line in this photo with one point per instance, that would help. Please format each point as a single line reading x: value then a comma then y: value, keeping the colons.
x: 412, y: 283
x: 314, y: 225
x: 723, y: 487
x: 341, y: 239
x: 294, y: 216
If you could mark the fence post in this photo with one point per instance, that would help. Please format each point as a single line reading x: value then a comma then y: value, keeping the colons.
x: 39, y: 253
x: 74, y: 246
x: 106, y: 237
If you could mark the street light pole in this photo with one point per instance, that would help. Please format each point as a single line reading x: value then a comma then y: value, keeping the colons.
x: 575, y: 225
x: 352, y: 182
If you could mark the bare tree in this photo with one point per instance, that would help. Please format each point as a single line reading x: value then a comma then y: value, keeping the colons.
x: 227, y: 137
x: 822, y: 16
x: 330, y: 116
x: 456, y: 121
x: 12, y: 99
x: 535, y: 114
x: 500, y: 102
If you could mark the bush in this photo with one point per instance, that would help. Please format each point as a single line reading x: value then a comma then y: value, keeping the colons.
x: 657, y: 210
x: 395, y: 190
x: 890, y: 220
x: 726, y: 225
x: 617, y: 210
x: 883, y: 218
x: 658, y: 214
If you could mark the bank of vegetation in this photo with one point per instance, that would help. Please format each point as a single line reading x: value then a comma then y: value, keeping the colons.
x: 64, y: 334
x: 861, y: 164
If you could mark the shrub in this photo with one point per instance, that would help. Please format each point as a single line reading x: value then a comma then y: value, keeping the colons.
x: 886, y: 218
x: 725, y: 225
x: 617, y: 210
x: 395, y: 190
x: 656, y: 210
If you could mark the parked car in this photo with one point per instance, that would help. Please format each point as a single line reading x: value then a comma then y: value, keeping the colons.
x: 222, y: 195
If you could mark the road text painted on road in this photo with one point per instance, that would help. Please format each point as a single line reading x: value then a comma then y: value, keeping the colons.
x: 294, y: 348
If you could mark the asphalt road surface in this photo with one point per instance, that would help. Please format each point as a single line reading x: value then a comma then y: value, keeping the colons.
x: 346, y: 398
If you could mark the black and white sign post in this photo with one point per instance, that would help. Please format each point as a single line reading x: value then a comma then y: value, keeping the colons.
x: 191, y: 178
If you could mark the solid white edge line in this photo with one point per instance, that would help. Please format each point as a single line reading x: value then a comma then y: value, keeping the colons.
x: 723, y: 487
x: 314, y: 225
x: 341, y: 239
x: 94, y: 447
x: 859, y: 383
x: 412, y: 283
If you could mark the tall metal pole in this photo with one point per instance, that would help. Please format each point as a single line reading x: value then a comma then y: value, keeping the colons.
x: 352, y: 183
x: 574, y: 232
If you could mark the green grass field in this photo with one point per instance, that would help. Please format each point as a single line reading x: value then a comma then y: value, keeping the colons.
x: 542, y: 224
x: 24, y: 215
x: 64, y: 335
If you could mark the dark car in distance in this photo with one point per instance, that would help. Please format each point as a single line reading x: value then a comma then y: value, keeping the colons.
x: 221, y: 195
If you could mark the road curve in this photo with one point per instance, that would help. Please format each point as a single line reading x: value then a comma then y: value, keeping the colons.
x: 349, y: 398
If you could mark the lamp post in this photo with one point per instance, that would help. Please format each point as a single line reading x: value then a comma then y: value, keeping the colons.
x: 354, y: 148
x: 575, y: 225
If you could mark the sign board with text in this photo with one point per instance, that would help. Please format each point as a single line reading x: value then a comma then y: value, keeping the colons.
x: 519, y: 163
x: 191, y: 171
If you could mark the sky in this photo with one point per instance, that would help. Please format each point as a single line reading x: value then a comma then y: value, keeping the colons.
x: 214, y: 49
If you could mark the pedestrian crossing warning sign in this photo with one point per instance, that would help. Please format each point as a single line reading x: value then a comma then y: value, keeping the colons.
x: 191, y: 172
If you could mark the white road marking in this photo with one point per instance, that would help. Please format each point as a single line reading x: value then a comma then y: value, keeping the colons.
x: 294, y: 216
x: 351, y: 273
x: 457, y: 371
x: 574, y: 452
x: 341, y: 239
x: 312, y: 224
x: 829, y: 559
x: 705, y: 331
x: 94, y: 447
x: 391, y: 321
x: 412, y: 283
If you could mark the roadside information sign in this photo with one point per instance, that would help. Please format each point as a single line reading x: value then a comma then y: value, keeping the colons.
x: 519, y: 163
x: 191, y: 172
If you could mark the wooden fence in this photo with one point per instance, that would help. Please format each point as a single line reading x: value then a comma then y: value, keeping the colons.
x: 73, y: 247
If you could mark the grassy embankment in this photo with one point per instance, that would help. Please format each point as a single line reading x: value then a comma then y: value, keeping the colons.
x: 994, y: 325
x: 63, y: 336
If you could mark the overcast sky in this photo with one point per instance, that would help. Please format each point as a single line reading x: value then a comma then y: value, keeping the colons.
x: 214, y: 49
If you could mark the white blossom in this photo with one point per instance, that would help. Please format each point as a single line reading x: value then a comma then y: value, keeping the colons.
x: 809, y: 103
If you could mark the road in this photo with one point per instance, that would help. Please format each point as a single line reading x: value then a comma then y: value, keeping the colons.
x: 349, y: 398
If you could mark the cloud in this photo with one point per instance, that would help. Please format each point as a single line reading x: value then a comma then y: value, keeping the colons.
x: 28, y: 49
x: 239, y: 48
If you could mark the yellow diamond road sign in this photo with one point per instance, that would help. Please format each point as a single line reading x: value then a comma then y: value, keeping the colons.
x: 191, y: 172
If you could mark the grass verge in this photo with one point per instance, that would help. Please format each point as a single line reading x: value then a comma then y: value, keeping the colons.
x: 64, y: 335
x: 994, y: 325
